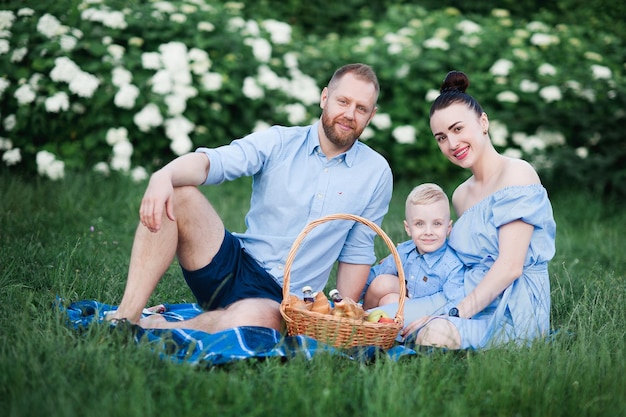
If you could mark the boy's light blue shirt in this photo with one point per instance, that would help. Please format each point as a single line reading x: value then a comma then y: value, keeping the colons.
x: 293, y: 184
x: 427, y: 274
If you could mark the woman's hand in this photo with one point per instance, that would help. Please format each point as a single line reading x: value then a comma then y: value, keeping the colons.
x: 415, y: 325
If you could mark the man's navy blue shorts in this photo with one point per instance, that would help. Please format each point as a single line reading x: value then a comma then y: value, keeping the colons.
x: 231, y: 276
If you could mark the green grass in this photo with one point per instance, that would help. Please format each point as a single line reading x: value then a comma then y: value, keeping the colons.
x: 47, y: 248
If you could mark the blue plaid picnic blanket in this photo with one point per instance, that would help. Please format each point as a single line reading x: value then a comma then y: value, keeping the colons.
x: 208, y: 349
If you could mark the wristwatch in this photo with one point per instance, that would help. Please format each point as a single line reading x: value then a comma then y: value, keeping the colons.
x: 454, y: 312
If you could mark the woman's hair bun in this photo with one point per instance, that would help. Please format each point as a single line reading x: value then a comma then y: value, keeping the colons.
x: 455, y: 81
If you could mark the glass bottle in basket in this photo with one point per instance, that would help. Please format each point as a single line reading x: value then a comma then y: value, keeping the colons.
x: 307, y: 294
x: 334, y: 295
x: 345, y: 307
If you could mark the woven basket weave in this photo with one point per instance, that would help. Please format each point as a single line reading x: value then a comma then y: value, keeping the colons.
x: 341, y: 332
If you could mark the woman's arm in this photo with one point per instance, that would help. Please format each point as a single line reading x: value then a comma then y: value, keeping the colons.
x: 514, y: 241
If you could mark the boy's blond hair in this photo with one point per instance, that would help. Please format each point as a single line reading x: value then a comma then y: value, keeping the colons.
x: 426, y: 193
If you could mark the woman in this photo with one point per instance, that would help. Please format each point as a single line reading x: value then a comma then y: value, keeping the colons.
x: 504, y: 234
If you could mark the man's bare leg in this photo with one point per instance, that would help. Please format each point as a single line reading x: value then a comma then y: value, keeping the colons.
x: 195, y: 237
x: 249, y: 312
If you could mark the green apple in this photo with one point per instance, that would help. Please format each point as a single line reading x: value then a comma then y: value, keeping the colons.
x: 375, y: 315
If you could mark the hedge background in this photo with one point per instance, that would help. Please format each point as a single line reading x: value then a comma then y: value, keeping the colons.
x: 550, y: 76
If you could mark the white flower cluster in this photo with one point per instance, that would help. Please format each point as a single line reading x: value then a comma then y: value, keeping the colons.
x: 498, y: 132
x: 501, y: 67
x: 468, y: 27
x: 528, y: 86
x: 431, y: 95
x: 122, y: 148
x: 25, y: 94
x: 117, y: 138
x: 79, y: 82
x: 299, y: 86
x: 600, y: 72
x: 551, y: 93
x: 174, y: 65
x: 544, y: 40
x: 49, y: 26
x: 7, y: 18
x: 381, y: 121
x: 399, y: 43
x: 542, y: 139
x: 296, y: 113
x: 49, y: 166
x: 57, y: 102
x: 546, y: 69
x: 438, y: 41
x: 507, y: 96
x: 280, y: 32
x: 110, y: 18
x: 11, y: 155
x: 404, y: 134
x: 128, y: 92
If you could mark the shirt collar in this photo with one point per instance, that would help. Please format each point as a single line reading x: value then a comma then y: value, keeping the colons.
x: 314, y: 144
x: 430, y: 258
x: 313, y: 138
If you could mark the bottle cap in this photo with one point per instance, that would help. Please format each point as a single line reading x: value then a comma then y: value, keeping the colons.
x: 333, y: 292
x: 307, y: 288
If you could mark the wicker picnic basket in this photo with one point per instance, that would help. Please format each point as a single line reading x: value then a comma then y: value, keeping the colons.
x: 341, y: 332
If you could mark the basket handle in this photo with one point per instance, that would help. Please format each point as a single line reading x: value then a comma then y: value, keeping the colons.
x: 344, y: 216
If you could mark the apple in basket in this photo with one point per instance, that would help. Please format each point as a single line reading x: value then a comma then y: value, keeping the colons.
x: 378, y: 316
x: 386, y: 320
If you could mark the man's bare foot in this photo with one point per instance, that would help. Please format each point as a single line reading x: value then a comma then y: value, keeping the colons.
x: 154, y: 321
x: 159, y: 309
x: 114, y: 318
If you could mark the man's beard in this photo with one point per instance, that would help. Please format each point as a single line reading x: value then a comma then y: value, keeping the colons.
x: 340, y: 139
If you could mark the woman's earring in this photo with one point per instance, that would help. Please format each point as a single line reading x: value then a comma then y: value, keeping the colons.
x: 485, y: 132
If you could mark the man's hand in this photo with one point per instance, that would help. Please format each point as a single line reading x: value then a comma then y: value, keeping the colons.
x: 189, y: 169
x: 158, y: 195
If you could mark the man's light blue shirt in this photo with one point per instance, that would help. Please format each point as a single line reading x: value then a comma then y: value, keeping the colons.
x: 293, y: 184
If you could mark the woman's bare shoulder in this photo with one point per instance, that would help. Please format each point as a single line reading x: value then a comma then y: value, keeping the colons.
x: 459, y: 197
x: 519, y: 172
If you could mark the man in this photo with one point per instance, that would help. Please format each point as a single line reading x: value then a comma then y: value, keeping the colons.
x: 299, y: 174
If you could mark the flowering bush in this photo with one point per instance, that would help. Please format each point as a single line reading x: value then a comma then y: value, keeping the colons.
x: 128, y: 87
x: 555, y: 94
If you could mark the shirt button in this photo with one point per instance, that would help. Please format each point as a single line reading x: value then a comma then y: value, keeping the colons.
x: 325, y: 169
x: 320, y: 196
x: 280, y: 267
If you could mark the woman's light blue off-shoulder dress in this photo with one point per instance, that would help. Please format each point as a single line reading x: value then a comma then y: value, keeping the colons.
x: 522, y: 312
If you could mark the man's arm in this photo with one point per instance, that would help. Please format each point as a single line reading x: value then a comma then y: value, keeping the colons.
x: 351, y: 279
x: 359, y: 246
x: 189, y: 169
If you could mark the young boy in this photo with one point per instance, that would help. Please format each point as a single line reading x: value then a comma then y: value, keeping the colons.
x: 433, y: 272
